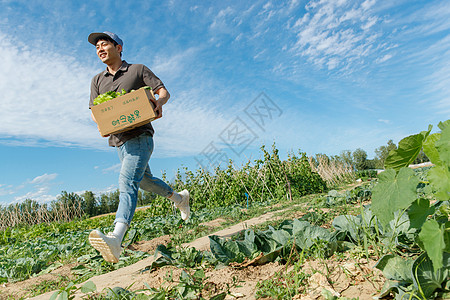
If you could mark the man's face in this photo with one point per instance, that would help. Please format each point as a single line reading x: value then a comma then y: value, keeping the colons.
x: 107, y: 52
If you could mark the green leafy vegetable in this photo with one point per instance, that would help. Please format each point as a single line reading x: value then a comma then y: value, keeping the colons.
x: 426, y: 279
x: 111, y: 95
x: 108, y: 96
x: 396, y: 268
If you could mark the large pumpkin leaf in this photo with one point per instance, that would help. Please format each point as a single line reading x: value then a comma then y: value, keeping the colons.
x: 393, y: 192
x: 426, y: 279
x: 432, y: 237
x: 419, y: 211
x: 443, y: 146
x: 439, y: 177
x: 407, y: 151
x: 430, y: 150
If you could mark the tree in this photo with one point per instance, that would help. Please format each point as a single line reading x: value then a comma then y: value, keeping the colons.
x: 371, y: 163
x: 383, y: 152
x: 104, y: 205
x: 346, y: 156
x: 359, y: 159
x: 114, y: 200
x: 145, y: 198
x: 421, y: 158
x: 67, y: 206
x: 90, y: 204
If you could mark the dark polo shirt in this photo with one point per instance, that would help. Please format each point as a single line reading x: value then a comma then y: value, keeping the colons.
x: 128, y: 77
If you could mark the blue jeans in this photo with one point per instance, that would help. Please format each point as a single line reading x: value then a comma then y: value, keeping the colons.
x: 134, y: 173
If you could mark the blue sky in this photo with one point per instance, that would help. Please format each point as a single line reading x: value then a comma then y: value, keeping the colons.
x: 311, y: 76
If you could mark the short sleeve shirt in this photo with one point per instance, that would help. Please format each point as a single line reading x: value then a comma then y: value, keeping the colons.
x: 128, y: 77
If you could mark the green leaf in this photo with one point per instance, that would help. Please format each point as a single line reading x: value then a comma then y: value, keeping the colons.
x: 199, y: 274
x: 443, y: 146
x: 395, y: 287
x: 265, y: 242
x: 430, y: 150
x: 419, y: 211
x: 268, y: 257
x: 349, y: 224
x: 54, y: 295
x: 432, y: 237
x: 395, y: 268
x: 164, y: 259
x: 439, y: 177
x: 408, y: 149
x: 221, y: 250
x: 393, y: 192
x: 63, y: 296
x: 88, y: 287
x: 443, y: 125
x: 306, y: 234
x: 426, y: 278
x: 280, y: 236
x: 247, y: 248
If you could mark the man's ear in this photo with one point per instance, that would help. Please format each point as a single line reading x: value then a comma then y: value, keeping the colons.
x: 119, y: 48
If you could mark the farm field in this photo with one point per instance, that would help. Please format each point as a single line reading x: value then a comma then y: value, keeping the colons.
x: 386, y: 237
x: 246, y: 274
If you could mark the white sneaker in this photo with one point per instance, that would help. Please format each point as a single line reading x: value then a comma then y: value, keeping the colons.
x: 183, y: 206
x: 108, y: 245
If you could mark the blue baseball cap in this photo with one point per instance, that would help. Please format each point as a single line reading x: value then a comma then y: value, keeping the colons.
x: 93, y: 37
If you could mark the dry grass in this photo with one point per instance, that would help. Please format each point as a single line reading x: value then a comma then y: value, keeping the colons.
x: 20, y: 215
x: 333, y: 171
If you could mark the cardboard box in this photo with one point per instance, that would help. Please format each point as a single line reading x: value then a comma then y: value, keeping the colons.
x: 125, y: 112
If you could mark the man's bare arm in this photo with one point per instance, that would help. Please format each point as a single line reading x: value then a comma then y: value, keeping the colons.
x: 162, y: 99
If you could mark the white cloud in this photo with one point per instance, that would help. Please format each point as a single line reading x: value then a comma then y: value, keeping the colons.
x: 370, y: 22
x: 368, y: 4
x: 6, y: 190
x: 44, y: 96
x: 114, y: 168
x: 384, y: 58
x: 172, y: 66
x: 40, y: 194
x: 434, y: 60
x: 221, y: 21
x: 42, y: 179
x: 336, y: 33
x: 38, y: 189
x: 438, y: 83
